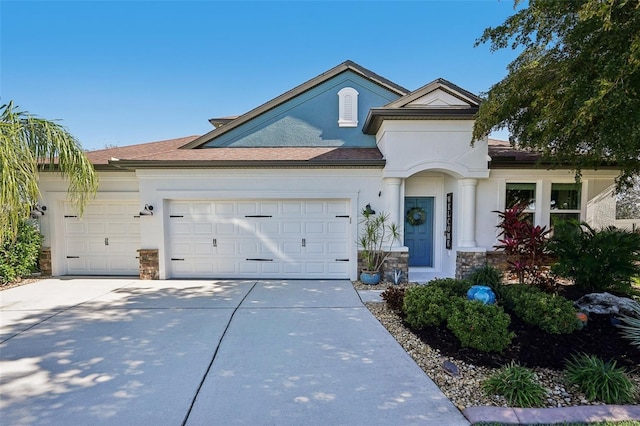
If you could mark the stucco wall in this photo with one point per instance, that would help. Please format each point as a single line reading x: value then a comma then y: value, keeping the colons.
x: 414, y: 146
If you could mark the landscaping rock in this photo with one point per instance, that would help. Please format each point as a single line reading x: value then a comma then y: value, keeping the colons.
x: 606, y: 304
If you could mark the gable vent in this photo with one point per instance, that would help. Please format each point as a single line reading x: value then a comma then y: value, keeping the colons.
x: 348, y: 107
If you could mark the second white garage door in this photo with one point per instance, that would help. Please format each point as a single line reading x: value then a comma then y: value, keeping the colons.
x: 260, y: 239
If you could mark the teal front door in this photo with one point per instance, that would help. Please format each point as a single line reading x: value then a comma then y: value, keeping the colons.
x: 419, y: 236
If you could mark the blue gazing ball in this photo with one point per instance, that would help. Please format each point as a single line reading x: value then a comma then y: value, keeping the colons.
x: 482, y: 293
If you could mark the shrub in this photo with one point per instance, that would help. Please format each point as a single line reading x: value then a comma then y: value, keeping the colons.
x: 551, y: 313
x: 394, y: 297
x: 19, y: 257
x: 453, y: 286
x: 599, y: 380
x: 600, y: 260
x: 428, y: 306
x: 517, y: 384
x: 479, y: 326
x: 631, y: 327
x: 524, y: 244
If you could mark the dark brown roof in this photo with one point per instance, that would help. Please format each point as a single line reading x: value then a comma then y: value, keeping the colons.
x: 168, y: 154
x: 503, y: 154
x: 103, y: 156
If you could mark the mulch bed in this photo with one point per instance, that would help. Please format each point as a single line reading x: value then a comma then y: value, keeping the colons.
x: 534, y: 348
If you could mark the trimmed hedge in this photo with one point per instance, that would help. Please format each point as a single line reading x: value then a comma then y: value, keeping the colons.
x: 551, y: 313
x: 19, y: 258
x: 482, y: 327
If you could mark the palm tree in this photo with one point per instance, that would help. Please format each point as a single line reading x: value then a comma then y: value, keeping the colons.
x: 29, y: 144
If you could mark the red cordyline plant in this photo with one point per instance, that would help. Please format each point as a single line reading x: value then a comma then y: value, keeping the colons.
x: 524, y: 244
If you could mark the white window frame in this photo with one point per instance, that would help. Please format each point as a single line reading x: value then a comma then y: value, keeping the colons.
x: 579, y: 210
x: 348, y: 107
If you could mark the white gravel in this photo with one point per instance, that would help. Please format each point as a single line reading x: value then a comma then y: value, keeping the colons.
x: 465, y: 389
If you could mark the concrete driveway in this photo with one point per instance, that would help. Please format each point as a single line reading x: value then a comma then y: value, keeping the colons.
x: 129, y: 352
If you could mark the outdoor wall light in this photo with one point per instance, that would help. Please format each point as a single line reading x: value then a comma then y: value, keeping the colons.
x: 38, y: 211
x: 148, y: 210
x: 368, y: 210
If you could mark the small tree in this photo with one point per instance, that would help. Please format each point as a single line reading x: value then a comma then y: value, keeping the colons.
x: 376, y: 230
x: 524, y: 244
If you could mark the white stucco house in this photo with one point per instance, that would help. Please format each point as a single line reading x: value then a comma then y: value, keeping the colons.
x: 277, y: 192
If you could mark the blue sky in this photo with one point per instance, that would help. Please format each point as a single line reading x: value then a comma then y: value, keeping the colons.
x: 121, y: 73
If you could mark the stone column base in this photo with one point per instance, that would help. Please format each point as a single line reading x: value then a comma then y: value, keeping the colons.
x: 467, y: 261
x: 44, y: 259
x: 149, y: 264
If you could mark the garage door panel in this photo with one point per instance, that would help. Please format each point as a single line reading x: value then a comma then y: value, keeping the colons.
x: 201, y: 209
x: 337, y: 249
x: 294, y: 228
x: 292, y: 209
x: 337, y: 228
x: 249, y: 268
x: 295, y: 268
x: 292, y: 247
x: 225, y: 228
x: 337, y: 208
x: 271, y: 228
x: 271, y: 231
x: 203, y: 248
x: 315, y: 248
x: 224, y: 208
x: 179, y: 208
x: 203, y: 228
x: 95, y: 228
x: 314, y: 228
x: 314, y: 208
x: 248, y: 248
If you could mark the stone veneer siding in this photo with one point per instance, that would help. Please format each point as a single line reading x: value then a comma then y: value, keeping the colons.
x: 149, y: 264
x: 44, y: 260
x: 467, y: 261
x: 396, y: 260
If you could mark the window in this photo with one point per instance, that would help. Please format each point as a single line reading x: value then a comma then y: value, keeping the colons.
x: 565, y: 202
x: 524, y: 194
x: 348, y: 107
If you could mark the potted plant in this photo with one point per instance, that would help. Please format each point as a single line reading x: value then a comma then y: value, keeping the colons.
x: 376, y: 230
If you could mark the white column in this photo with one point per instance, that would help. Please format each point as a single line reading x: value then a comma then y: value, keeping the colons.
x: 467, y: 212
x: 393, y: 199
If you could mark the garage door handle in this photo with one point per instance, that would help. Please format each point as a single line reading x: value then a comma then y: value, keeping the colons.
x: 175, y: 258
x: 304, y: 242
x: 261, y: 260
x: 342, y: 260
x: 73, y: 257
x: 215, y: 242
x: 257, y: 215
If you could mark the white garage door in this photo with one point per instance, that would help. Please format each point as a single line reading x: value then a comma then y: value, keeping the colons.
x: 105, y: 240
x: 260, y: 238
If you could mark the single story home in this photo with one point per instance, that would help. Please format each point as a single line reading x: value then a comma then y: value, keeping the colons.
x: 278, y: 192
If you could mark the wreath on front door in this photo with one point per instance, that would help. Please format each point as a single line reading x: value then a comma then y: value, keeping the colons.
x: 416, y: 216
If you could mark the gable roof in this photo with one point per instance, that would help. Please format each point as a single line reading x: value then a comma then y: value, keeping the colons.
x: 404, y: 109
x: 343, y: 67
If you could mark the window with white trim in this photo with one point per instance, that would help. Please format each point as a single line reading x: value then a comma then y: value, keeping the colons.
x: 565, y: 202
x: 348, y: 107
x: 522, y: 194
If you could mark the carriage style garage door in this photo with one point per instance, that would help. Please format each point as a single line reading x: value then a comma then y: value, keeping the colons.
x: 104, y: 241
x: 259, y: 238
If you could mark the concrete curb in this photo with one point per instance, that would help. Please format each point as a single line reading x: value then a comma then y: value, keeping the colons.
x: 583, y: 413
